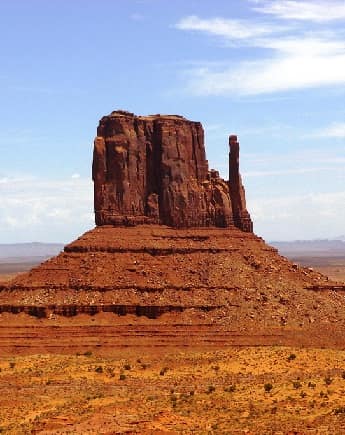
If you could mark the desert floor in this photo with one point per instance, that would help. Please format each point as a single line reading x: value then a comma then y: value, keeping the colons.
x: 333, y: 267
x: 253, y: 390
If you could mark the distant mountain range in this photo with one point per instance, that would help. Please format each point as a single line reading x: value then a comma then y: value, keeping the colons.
x: 322, y: 247
x: 37, y: 252
x: 19, y: 252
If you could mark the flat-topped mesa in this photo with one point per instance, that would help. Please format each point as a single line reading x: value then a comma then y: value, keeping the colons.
x: 153, y: 169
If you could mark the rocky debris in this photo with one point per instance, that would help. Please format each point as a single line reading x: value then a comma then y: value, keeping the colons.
x: 153, y: 170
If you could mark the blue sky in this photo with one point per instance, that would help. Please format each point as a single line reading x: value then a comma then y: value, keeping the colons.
x: 271, y: 71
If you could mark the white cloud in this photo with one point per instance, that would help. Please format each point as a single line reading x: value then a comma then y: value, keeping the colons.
x: 227, y: 28
x: 295, y: 61
x: 316, y: 11
x: 45, y: 210
x: 309, y: 216
x: 268, y: 76
x: 336, y: 130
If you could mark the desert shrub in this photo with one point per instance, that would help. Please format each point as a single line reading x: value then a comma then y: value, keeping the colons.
x: 291, y: 357
x: 311, y: 385
x: 88, y: 353
x: 339, y: 410
x: 122, y: 377
x: 127, y: 367
x: 12, y: 365
x: 296, y: 384
x: 110, y: 372
x: 328, y: 380
x: 210, y: 389
x: 268, y: 387
x: 191, y: 393
x: 163, y: 371
x: 99, y: 369
x: 230, y: 389
x: 343, y: 375
x: 143, y: 366
x: 303, y: 394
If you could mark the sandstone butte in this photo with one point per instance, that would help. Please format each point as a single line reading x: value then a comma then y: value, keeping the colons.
x: 172, y: 261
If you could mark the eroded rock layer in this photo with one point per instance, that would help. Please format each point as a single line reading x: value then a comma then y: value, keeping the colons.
x: 154, y: 170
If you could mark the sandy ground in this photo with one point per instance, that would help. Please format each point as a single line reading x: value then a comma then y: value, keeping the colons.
x: 252, y: 390
x: 333, y: 267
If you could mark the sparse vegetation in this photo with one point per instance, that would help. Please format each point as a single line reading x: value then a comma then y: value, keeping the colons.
x: 339, y: 410
x: 328, y: 380
x: 210, y: 389
x: 268, y: 387
x: 195, y: 391
x: 291, y: 357
x: 230, y: 389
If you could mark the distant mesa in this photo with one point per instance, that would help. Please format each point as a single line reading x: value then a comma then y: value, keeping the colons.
x: 153, y: 170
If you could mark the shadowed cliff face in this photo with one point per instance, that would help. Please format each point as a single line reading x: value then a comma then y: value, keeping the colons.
x: 153, y: 169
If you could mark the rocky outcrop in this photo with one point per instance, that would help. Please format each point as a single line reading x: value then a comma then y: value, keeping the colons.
x: 153, y: 169
x: 237, y: 193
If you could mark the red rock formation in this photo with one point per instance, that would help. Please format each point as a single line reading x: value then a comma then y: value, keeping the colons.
x: 241, y: 216
x: 153, y: 169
